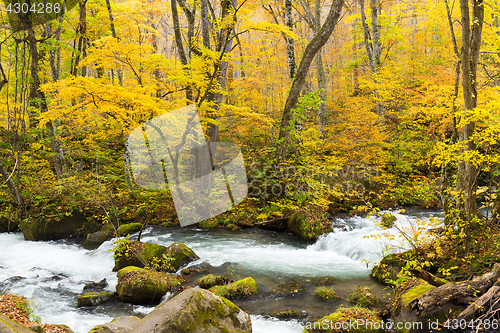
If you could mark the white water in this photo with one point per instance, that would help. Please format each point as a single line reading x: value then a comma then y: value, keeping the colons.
x: 337, y: 254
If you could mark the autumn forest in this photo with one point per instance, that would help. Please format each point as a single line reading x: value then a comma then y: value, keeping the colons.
x: 339, y: 107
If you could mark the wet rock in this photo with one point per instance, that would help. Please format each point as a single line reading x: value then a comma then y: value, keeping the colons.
x: 196, y: 310
x: 96, y: 286
x: 118, y: 325
x: 142, y: 286
x: 210, y: 280
x: 288, y: 314
x: 241, y: 288
x: 94, y: 298
x: 94, y: 240
x: 161, y: 258
x: 127, y: 229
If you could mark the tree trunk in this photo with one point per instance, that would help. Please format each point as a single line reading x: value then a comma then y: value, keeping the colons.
x: 37, y: 100
x: 113, y: 33
x: 82, y: 39
x: 312, y: 48
x: 14, y: 191
x: 377, y: 48
x: 471, y: 43
x: 435, y: 298
x: 289, y: 41
x: 320, y: 69
x: 367, y: 37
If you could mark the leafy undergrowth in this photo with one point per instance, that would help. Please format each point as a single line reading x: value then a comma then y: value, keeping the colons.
x: 18, y: 309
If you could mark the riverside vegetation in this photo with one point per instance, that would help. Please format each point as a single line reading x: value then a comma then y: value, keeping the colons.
x: 401, y: 107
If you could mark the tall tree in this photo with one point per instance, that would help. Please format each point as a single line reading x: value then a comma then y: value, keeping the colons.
x: 471, y: 43
x: 312, y: 48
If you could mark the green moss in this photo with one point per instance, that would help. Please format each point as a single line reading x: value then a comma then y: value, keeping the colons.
x: 127, y: 229
x: 386, y: 272
x: 325, y: 293
x: 241, y: 288
x: 415, y: 292
x: 346, y: 316
x: 138, y: 285
x: 288, y: 314
x: 364, y: 297
x: 210, y: 280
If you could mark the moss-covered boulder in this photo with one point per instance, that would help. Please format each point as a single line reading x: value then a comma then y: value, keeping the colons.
x: 365, y: 321
x: 118, y: 325
x: 94, y: 240
x: 240, y: 288
x: 181, y: 254
x: 70, y: 224
x: 158, y: 257
x: 388, y: 220
x: 195, y: 310
x: 94, y: 298
x: 126, y: 229
x: 388, y: 269
x: 287, y: 314
x: 297, y: 225
x: 143, y: 286
x: 210, y: 280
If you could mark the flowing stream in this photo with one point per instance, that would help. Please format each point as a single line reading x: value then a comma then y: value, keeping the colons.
x: 54, y: 273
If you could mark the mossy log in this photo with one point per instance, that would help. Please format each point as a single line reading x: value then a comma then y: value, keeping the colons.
x: 438, y: 296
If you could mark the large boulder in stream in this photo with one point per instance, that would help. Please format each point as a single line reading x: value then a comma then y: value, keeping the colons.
x: 94, y: 240
x: 143, y: 286
x: 195, y: 310
x: 127, y: 229
x: 118, y: 325
x: 164, y: 259
x: 70, y: 224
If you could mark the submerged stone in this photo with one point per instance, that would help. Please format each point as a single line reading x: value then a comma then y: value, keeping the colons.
x: 94, y: 240
x: 94, y: 298
x: 241, y: 288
